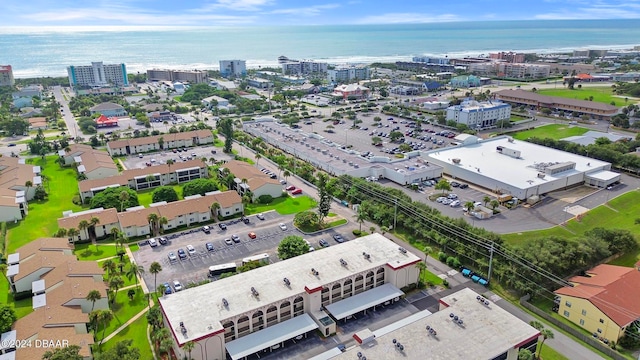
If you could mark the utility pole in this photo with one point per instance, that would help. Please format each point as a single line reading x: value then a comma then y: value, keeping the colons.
x: 490, y: 261
x: 395, y: 212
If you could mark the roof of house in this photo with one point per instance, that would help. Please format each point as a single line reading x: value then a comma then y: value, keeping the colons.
x: 137, y: 217
x: 49, y: 316
x: 255, y: 177
x: 154, y: 139
x: 614, y: 290
x: 531, y: 96
x: 8, y: 197
x: 65, y: 333
x: 37, y: 121
x: 106, y: 216
x: 350, y: 88
x: 13, y: 173
x: 74, y: 288
x: 72, y: 268
x: 107, y: 106
x: 41, y: 260
x: 43, y: 244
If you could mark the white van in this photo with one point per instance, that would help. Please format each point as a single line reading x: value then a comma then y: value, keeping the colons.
x: 153, y: 242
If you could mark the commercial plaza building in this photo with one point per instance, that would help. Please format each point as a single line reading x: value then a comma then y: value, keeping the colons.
x: 479, y: 115
x: 255, y: 310
x: 97, y: 75
x: 522, y: 169
x: 332, y: 158
x: 467, y: 326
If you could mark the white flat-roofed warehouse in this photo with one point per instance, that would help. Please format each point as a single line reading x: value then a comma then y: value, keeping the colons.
x: 519, y: 168
x: 477, y: 330
x: 255, y: 310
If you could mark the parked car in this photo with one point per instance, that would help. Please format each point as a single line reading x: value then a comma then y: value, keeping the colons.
x: 464, y: 186
x: 283, y: 227
x: 206, y: 229
x: 222, y: 226
x: 153, y: 242
x: 163, y: 241
x: 182, y: 254
x: 290, y: 188
x: 228, y: 241
x: 191, y: 249
x: 260, y: 216
x: 252, y: 235
x: 323, y: 243
x: 172, y: 257
x: 455, y: 203
x: 235, y: 238
x: 452, y: 196
x: 177, y: 285
x: 447, y: 201
x: 209, y: 246
x: 296, y: 192
x: 167, y: 288
x: 246, y: 220
x: 455, y: 184
x: 338, y: 238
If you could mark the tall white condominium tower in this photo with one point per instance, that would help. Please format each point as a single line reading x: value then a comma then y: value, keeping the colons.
x: 97, y: 75
x: 233, y: 68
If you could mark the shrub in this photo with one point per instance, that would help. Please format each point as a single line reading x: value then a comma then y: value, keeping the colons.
x: 356, y: 232
x: 442, y: 256
x: 265, y: 199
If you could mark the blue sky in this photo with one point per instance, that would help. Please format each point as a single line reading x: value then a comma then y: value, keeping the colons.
x: 300, y: 12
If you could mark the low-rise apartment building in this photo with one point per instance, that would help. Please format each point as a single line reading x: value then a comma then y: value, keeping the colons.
x: 18, y: 182
x: 604, y: 301
x: 479, y: 115
x: 93, y: 163
x: 254, y: 310
x: 107, y: 220
x: 347, y: 74
x: 151, y: 143
x: 257, y: 182
x: 146, y: 178
x: 188, y: 76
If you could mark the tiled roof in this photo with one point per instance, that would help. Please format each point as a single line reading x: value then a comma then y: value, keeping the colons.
x: 106, y: 216
x: 614, y: 290
x: 73, y: 288
x: 64, y: 333
x: 95, y: 159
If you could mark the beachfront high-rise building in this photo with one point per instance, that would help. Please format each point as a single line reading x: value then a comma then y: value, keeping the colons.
x: 184, y: 76
x: 235, y: 68
x: 97, y: 75
x: 510, y: 56
x: 303, y: 67
x: 347, y: 74
x: 6, y: 76
x: 431, y: 60
x: 479, y: 115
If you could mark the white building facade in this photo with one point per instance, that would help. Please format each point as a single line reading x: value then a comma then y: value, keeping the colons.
x: 479, y: 115
x: 98, y: 75
x: 349, y: 73
x: 237, y: 68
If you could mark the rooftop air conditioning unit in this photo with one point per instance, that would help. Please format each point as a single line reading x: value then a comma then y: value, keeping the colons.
x: 541, y: 175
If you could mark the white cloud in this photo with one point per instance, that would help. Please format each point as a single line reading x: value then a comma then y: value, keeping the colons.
x: 237, y: 5
x: 401, y: 18
x: 306, y: 11
x: 595, y: 10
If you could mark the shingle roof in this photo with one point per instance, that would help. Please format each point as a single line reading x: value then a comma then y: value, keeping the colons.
x: 72, y: 268
x: 614, y: 290
x: 41, y: 260
x: 106, y: 216
x: 136, y: 217
x: 255, y: 178
x: 12, y: 173
x: 73, y: 288
x: 43, y: 244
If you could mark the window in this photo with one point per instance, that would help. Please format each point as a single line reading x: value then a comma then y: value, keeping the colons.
x: 601, y: 321
x: 566, y: 313
x: 599, y: 331
x: 584, y: 312
x: 568, y: 304
x: 582, y: 322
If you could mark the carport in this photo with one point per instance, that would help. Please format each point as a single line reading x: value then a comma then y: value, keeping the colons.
x: 265, y: 338
x: 363, y: 301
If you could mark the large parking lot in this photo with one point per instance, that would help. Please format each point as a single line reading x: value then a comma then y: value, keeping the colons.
x: 196, y: 152
x: 194, y: 267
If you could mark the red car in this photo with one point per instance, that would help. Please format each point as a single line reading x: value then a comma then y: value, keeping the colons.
x: 290, y: 188
x: 252, y: 235
x: 296, y: 192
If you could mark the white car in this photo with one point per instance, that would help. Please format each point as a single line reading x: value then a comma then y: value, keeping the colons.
x: 283, y: 227
x: 455, y: 203
x: 177, y: 286
x: 452, y: 196
x: 447, y: 201
x: 191, y: 249
x: 440, y: 199
x: 153, y: 242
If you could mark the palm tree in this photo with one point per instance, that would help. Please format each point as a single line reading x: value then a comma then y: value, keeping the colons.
x: 28, y: 184
x: 421, y: 266
x: 154, y: 269
x: 124, y: 196
x: 93, y: 296
x: 214, y: 210
x: 94, y: 319
x: 360, y: 216
x: 84, y: 225
x: 92, y: 224
x: 62, y: 232
x: 384, y: 229
x: 153, y: 221
x: 469, y: 205
x: 104, y: 317
x: 160, y: 334
x: 161, y: 223
x: 188, y: 347
x: 134, y: 271
x: 545, y: 333
x: 154, y: 318
x: 486, y: 200
x: 494, y: 204
x: 258, y: 157
x: 109, y: 266
x: 169, y: 163
x: 115, y: 232
x: 372, y: 229
x: 72, y: 233
x: 115, y: 283
x: 286, y: 174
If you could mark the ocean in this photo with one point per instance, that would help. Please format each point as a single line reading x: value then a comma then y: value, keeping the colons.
x: 48, y: 51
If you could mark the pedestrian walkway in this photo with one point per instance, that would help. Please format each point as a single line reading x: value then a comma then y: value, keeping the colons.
x: 123, y: 326
x: 145, y: 289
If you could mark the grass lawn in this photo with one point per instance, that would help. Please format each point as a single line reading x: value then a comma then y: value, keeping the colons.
x: 283, y: 205
x: 430, y: 278
x: 21, y: 307
x: 125, y: 262
x: 42, y: 218
x: 123, y: 310
x: 548, y: 353
x: 145, y: 197
x: 600, y: 94
x: 552, y: 131
x: 517, y: 117
x: 136, y: 331
x: 134, y: 247
x: 88, y: 251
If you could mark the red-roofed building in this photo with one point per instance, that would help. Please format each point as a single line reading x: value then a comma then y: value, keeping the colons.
x: 104, y: 121
x: 604, y: 302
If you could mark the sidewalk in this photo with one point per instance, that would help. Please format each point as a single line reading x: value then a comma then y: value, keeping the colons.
x: 143, y: 285
x: 134, y: 318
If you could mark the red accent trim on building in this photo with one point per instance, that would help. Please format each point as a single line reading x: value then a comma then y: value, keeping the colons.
x: 403, y: 266
x: 443, y: 303
x: 355, y: 336
x: 194, y: 340
x: 311, y: 291
x: 525, y: 341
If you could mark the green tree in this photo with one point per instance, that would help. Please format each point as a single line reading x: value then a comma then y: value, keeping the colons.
x: 122, y: 350
x: 486, y: 199
x: 396, y: 136
x: 164, y: 193
x: 226, y: 129
x: 198, y: 186
x: 361, y: 216
x: 109, y: 266
x: 324, y: 203
x: 292, y: 246
x: 154, y: 318
x: 124, y: 197
x: 115, y: 283
x: 153, y: 218
x: 154, y: 269
x: 544, y: 332
x: 112, y: 198
x: 421, y: 266
x: 525, y: 354
x: 93, y: 296
x: 7, y: 318
x: 84, y: 225
x: 70, y: 352
x: 134, y: 271
x: 443, y: 185
x: 215, y: 207
x: 469, y: 205
x: 494, y: 204
x: 188, y: 347
x: 306, y: 219
x: 104, y: 318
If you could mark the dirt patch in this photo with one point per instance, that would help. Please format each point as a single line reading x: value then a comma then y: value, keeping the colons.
x: 573, y: 194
